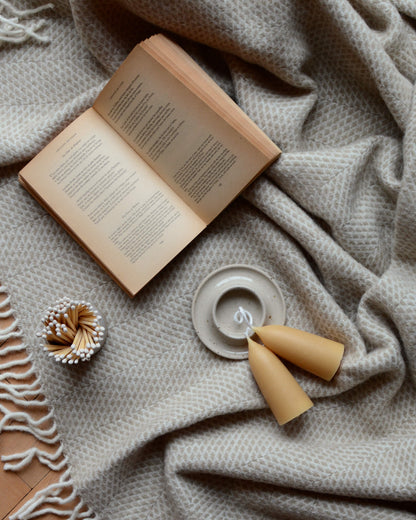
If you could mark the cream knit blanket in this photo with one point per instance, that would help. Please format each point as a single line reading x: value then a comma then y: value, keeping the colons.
x: 156, y: 426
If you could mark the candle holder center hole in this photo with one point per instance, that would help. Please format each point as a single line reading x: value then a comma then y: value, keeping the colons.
x: 228, y: 304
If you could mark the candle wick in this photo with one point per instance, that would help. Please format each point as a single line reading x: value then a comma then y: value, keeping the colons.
x: 244, y: 316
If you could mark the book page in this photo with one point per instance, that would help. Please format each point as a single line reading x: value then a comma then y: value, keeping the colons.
x: 111, y: 201
x: 182, y: 66
x: 202, y: 157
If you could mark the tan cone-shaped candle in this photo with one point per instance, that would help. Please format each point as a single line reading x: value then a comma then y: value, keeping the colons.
x: 280, y: 389
x: 313, y: 353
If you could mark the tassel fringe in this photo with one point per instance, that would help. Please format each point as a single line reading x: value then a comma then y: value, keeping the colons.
x: 15, y: 26
x: 49, y: 497
x: 21, y: 392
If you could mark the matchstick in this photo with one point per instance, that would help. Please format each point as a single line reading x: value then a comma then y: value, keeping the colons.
x: 72, y: 331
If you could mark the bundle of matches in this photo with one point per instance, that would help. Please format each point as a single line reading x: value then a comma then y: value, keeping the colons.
x: 72, y: 331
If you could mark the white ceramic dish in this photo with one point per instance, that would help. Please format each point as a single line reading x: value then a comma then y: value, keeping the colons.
x: 218, y: 298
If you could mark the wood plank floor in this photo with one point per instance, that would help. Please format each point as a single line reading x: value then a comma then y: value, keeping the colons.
x: 16, y: 488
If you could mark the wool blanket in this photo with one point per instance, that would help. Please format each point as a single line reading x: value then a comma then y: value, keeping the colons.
x: 156, y: 425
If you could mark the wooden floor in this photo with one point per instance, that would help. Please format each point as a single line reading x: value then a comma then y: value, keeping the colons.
x: 17, y: 488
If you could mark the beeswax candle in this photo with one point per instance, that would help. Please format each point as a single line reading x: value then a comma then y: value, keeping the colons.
x: 313, y: 353
x: 280, y: 389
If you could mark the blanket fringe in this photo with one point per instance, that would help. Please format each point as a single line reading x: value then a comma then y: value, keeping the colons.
x: 49, y: 497
x: 21, y: 392
x: 14, y: 27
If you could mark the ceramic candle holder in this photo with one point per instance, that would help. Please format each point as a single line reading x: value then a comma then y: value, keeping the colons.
x: 221, y: 295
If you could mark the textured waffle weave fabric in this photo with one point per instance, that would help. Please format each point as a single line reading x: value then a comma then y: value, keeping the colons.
x: 156, y: 426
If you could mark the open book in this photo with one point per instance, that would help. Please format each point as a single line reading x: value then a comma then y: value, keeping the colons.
x: 139, y: 175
